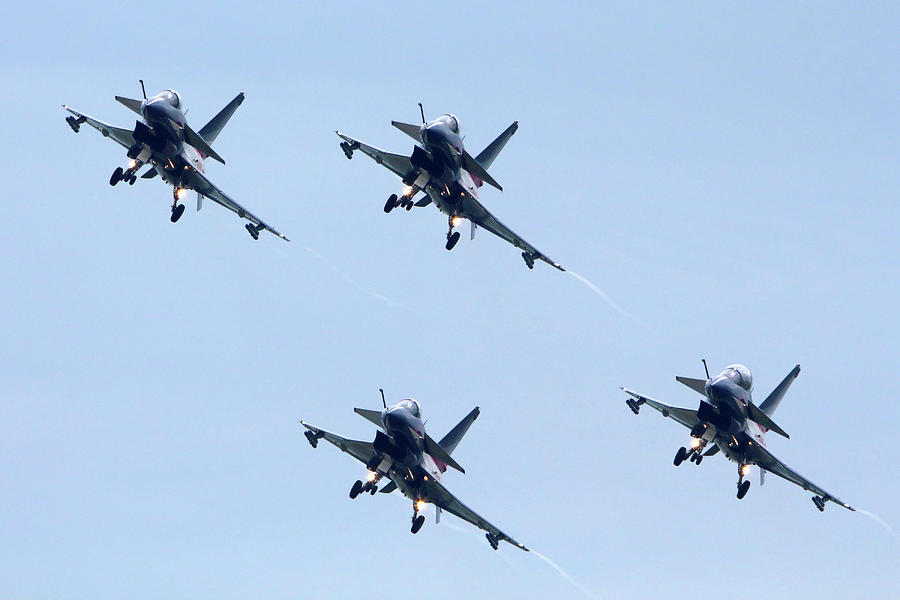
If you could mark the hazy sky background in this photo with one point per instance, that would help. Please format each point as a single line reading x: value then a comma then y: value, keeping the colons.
x: 725, y: 171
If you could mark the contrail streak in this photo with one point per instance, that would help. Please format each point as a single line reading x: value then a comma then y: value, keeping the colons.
x: 566, y: 576
x: 468, y: 533
x: 352, y: 282
x: 612, y: 303
x: 556, y: 567
x: 880, y: 521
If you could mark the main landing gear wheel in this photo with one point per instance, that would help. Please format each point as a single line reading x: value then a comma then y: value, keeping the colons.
x: 348, y: 150
x: 356, y: 489
x: 742, y: 489
x: 177, y: 211
x: 417, y: 524
x: 819, y: 502
x: 633, y: 405
x: 373, y: 490
x: 116, y: 176
x: 391, y: 203
x: 451, y: 240
x: 132, y: 179
x: 698, y: 459
x: 680, y: 456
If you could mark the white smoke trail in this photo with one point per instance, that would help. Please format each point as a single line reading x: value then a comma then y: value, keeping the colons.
x: 566, y: 576
x: 352, y: 282
x: 468, y: 532
x: 880, y: 521
x: 612, y: 303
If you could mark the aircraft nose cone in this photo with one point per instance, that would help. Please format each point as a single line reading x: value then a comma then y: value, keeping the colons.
x: 395, y: 421
x: 159, y: 113
x: 717, y: 389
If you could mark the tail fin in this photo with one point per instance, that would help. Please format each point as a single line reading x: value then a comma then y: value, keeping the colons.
x: 487, y: 156
x: 452, y: 439
x: 774, y: 399
x: 211, y: 130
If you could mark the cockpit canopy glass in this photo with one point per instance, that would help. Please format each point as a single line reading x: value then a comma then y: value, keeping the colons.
x: 412, y: 406
x: 451, y: 122
x: 741, y: 376
x: 172, y: 97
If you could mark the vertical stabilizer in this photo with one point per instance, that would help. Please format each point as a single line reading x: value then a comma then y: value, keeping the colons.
x: 452, y: 439
x: 211, y: 130
x: 487, y: 156
x: 774, y: 399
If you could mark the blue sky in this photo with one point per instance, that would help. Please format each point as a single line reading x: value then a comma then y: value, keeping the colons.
x: 726, y: 172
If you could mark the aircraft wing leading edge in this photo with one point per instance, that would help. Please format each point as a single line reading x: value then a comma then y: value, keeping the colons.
x: 685, y: 416
x: 438, y: 495
x: 123, y: 136
x: 396, y: 163
x: 203, y: 185
x: 364, y: 452
x: 478, y: 214
x: 765, y: 459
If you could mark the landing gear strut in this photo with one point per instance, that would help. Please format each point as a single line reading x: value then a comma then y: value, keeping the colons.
x: 177, y: 209
x: 356, y: 490
x: 452, y: 237
x: 417, y: 519
x: 743, y: 486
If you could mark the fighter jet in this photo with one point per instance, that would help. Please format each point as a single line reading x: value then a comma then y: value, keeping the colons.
x: 448, y: 175
x: 405, y: 455
x: 165, y: 141
x: 727, y: 420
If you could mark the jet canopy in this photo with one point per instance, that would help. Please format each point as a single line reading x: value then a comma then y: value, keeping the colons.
x: 412, y: 406
x: 740, y: 375
x: 450, y: 121
x: 172, y: 97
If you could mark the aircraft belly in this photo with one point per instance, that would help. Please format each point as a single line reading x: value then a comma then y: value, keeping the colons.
x: 401, y: 478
